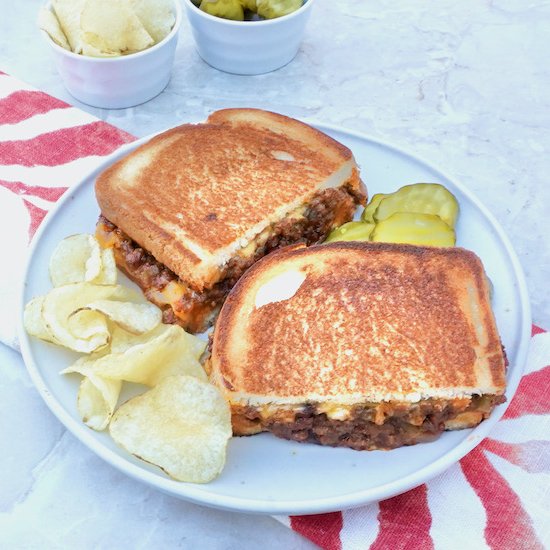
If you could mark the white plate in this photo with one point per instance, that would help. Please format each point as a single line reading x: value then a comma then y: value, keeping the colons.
x: 269, y: 475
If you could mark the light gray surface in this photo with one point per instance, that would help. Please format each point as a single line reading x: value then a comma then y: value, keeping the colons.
x: 462, y: 84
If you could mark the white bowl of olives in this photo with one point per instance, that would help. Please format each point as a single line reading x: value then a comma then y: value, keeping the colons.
x: 248, y: 36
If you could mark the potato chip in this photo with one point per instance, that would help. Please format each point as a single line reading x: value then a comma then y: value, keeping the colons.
x: 96, y: 401
x: 112, y: 27
x: 169, y: 353
x: 122, y: 340
x: 195, y: 346
x: 75, y: 259
x: 83, y: 365
x: 61, y: 302
x: 182, y: 426
x: 86, y: 324
x: 90, y: 51
x: 48, y: 22
x: 190, y: 347
x: 157, y: 16
x: 34, y: 322
x: 68, y: 14
x: 108, y: 274
x: 126, y: 294
x: 135, y: 318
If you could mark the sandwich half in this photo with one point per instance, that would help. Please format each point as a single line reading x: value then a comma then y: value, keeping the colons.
x: 361, y: 345
x: 188, y: 212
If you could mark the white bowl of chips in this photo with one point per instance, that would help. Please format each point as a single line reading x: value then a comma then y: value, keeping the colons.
x: 248, y: 47
x: 112, y: 55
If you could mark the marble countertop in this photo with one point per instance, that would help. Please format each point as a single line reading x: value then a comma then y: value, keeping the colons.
x: 461, y: 84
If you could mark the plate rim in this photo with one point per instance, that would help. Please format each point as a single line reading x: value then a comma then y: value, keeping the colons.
x: 194, y: 492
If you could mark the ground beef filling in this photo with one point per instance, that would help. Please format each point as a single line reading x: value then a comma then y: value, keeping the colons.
x: 400, y: 425
x: 195, y: 311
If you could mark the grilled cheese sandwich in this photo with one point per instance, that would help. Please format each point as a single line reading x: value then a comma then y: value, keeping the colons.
x: 364, y: 345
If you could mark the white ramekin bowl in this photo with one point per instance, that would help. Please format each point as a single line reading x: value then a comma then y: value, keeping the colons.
x: 118, y: 82
x: 248, y: 47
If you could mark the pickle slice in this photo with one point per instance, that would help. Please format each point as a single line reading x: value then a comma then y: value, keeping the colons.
x: 227, y: 9
x: 370, y: 209
x: 414, y: 228
x: 425, y: 198
x: 351, y: 231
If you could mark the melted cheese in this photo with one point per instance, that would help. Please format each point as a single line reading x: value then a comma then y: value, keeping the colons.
x: 334, y: 412
x: 170, y: 294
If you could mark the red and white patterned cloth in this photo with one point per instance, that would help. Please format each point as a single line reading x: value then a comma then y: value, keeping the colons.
x: 497, y: 497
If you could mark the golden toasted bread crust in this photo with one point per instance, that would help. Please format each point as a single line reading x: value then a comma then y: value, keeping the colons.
x: 370, y: 322
x: 278, y: 124
x: 195, y: 194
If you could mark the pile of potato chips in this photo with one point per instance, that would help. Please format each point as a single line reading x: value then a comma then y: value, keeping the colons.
x: 182, y: 424
x: 107, y: 28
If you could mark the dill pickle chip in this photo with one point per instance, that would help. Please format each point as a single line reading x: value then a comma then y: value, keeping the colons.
x: 227, y: 9
x: 370, y: 209
x: 351, y: 231
x: 270, y: 9
x: 414, y: 228
x: 423, y: 198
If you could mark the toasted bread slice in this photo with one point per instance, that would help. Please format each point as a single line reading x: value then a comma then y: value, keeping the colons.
x: 197, y: 195
x: 359, y: 333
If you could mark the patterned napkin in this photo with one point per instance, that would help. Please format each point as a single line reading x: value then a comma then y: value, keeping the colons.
x: 497, y: 497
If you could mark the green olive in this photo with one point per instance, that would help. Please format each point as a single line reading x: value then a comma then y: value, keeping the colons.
x: 351, y: 231
x: 424, y: 198
x: 414, y: 228
x: 228, y: 9
x: 269, y: 9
